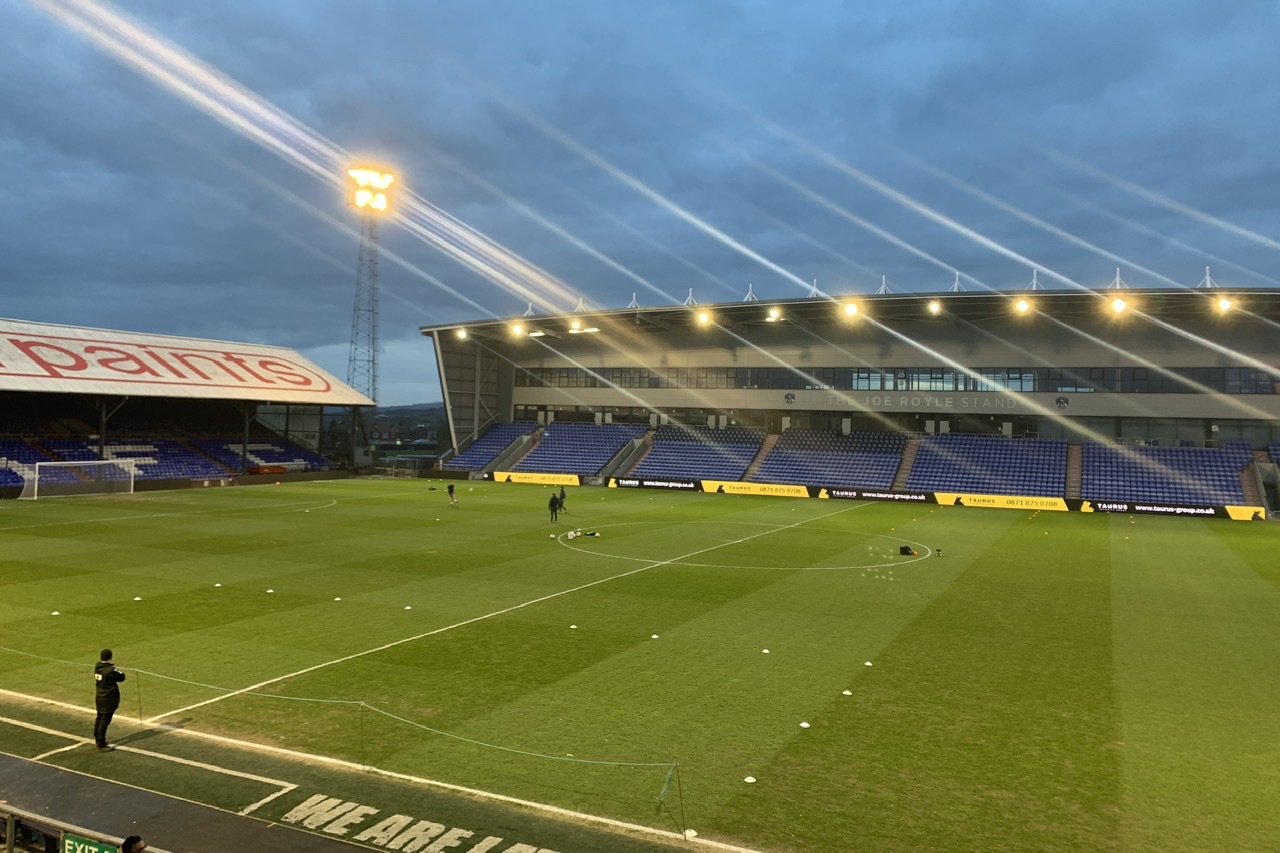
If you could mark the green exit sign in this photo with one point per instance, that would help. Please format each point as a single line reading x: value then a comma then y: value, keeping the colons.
x: 76, y: 844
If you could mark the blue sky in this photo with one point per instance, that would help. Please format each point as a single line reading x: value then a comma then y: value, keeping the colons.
x: 632, y: 148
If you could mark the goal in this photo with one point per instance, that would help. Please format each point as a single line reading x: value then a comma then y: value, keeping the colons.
x: 56, y: 479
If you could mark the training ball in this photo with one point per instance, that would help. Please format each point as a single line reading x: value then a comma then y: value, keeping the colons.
x: 271, y: 590
x: 407, y: 607
x: 846, y: 692
x: 551, y: 536
x: 654, y: 637
x: 277, y: 482
x: 55, y: 613
x: 764, y: 651
x: 749, y: 779
x: 804, y: 725
x: 868, y: 663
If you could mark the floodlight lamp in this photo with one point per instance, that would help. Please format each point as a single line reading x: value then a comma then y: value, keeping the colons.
x: 703, y: 318
x: 774, y: 314
x: 461, y: 334
x: 517, y: 329
x: 576, y: 326
x: 850, y: 309
x: 371, y: 184
x: 1118, y: 305
x: 1022, y: 306
x: 1224, y: 305
x: 935, y: 307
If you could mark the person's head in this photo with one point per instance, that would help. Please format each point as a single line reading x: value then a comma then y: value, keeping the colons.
x: 105, y: 655
x: 133, y: 844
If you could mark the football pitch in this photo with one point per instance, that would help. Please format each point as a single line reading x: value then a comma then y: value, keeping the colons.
x: 768, y: 672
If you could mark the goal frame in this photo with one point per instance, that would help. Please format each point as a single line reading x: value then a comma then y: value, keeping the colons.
x: 118, y: 485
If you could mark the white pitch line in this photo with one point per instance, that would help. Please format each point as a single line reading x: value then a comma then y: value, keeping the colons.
x: 84, y: 741
x: 252, y: 687
x: 327, y: 761
x: 79, y: 743
x: 250, y: 809
x: 927, y: 551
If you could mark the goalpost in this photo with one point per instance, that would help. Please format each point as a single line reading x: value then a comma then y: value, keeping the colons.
x: 56, y: 479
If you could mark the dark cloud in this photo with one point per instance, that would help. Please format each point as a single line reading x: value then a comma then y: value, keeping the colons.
x: 124, y: 206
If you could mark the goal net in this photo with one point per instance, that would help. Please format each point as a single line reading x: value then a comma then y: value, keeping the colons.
x: 57, y: 479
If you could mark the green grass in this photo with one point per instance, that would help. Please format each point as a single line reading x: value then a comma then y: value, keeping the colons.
x: 1054, y: 682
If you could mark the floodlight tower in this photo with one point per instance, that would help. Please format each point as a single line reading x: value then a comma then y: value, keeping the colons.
x: 369, y: 196
x: 370, y: 200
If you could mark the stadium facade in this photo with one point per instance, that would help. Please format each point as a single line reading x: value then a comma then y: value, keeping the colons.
x: 1191, y: 367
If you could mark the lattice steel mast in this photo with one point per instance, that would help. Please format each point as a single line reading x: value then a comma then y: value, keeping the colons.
x: 370, y: 199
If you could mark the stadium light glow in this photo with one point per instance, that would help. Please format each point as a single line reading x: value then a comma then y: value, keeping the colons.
x: 1118, y: 305
x: 537, y: 333
x: 1022, y: 306
x: 575, y: 326
x: 935, y: 307
x: 851, y: 309
x: 371, y: 189
x: 517, y: 329
x: 1224, y: 305
x: 703, y: 318
x: 775, y: 314
x: 461, y: 334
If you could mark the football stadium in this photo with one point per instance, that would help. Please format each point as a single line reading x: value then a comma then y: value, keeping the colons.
x: 951, y: 571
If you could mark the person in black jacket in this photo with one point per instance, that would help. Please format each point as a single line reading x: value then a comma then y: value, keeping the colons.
x: 108, y: 679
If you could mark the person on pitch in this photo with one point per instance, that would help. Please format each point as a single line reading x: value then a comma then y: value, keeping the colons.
x: 107, y: 680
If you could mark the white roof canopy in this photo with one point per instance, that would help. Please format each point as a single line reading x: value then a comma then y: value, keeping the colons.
x: 74, y: 360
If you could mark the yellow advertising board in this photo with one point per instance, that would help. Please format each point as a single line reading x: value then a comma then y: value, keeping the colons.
x: 737, y: 487
x: 536, y: 478
x: 1002, y: 501
x: 1247, y: 513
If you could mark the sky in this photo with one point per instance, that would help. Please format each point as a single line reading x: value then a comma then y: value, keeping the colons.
x: 177, y: 168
